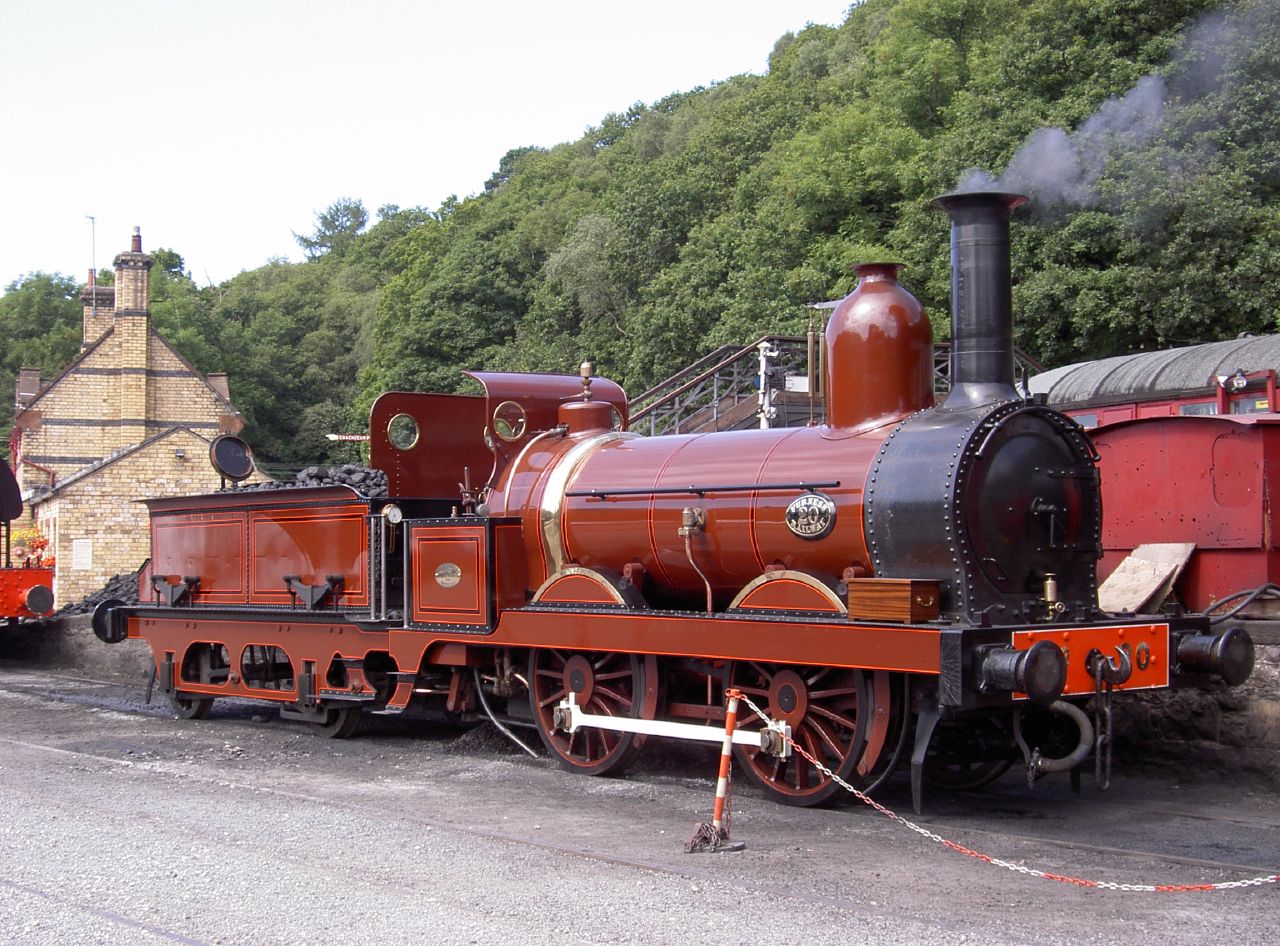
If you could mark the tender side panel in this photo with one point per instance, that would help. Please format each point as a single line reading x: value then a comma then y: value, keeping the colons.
x: 211, y: 546
x: 312, y: 543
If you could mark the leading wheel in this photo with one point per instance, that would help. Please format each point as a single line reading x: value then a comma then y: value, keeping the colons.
x: 968, y: 754
x: 605, y: 684
x: 824, y: 708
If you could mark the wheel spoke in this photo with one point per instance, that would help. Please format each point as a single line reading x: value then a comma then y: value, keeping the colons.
x: 846, y: 722
x: 827, y: 695
x: 828, y: 739
x: 765, y: 675
x: 818, y: 674
x: 614, y: 675
x: 618, y: 698
x: 554, y: 699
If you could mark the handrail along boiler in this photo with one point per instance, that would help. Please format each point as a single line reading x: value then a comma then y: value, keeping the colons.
x: 903, y: 565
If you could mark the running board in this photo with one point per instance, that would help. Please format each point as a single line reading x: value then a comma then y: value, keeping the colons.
x: 774, y: 739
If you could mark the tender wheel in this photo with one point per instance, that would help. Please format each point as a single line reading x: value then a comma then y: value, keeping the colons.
x: 201, y: 664
x: 824, y: 707
x: 190, y: 707
x: 605, y: 684
x: 338, y: 723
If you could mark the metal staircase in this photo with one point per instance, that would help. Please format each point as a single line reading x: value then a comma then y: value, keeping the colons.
x: 732, y: 388
x: 763, y: 384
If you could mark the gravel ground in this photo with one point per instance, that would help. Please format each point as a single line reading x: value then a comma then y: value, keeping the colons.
x: 119, y: 824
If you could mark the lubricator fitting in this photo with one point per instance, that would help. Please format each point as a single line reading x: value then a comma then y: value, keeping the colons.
x: 1040, y: 671
x: 1229, y: 655
x: 693, y: 519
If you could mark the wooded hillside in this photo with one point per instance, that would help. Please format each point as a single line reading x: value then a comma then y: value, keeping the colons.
x: 712, y: 215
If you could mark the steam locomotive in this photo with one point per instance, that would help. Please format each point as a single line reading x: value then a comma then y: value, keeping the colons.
x: 870, y: 582
x: 26, y: 591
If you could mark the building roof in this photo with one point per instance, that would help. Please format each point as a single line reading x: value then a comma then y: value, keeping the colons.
x: 1156, y: 375
x: 84, y: 355
x: 42, y: 493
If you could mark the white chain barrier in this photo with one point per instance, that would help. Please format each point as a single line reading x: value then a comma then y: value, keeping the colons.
x: 997, y: 862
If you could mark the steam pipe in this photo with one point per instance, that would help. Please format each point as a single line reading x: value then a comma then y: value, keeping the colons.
x: 1042, y: 765
x: 981, y: 298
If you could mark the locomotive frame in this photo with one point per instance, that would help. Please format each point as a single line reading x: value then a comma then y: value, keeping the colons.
x: 903, y: 565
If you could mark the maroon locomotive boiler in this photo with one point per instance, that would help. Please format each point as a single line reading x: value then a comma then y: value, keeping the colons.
x: 902, y: 564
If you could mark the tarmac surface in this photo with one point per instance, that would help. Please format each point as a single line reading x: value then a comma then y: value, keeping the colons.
x: 122, y: 825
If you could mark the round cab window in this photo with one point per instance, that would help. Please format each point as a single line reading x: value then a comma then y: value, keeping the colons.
x: 402, y: 431
x: 509, y: 421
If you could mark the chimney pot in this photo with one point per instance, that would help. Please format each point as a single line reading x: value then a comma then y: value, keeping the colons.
x: 136, y: 246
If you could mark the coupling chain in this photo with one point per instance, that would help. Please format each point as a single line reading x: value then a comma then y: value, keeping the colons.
x: 997, y: 862
x: 1101, y: 726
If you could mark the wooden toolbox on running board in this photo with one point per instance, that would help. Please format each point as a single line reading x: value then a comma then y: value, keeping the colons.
x: 906, y: 600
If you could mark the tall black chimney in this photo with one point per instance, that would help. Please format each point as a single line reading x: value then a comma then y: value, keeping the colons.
x: 981, y: 298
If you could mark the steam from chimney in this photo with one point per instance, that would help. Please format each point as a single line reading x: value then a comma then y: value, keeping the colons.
x: 1060, y: 169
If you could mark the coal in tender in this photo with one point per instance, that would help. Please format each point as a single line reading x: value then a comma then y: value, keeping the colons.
x: 364, y: 480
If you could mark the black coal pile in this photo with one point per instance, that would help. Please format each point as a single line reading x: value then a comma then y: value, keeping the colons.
x: 122, y: 587
x: 364, y: 480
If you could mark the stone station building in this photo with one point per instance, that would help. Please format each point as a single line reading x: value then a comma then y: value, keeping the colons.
x: 128, y: 419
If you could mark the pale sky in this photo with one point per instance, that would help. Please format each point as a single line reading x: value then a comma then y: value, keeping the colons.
x: 221, y: 127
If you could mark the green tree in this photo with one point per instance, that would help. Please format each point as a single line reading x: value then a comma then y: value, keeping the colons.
x: 40, y: 325
x: 336, y: 228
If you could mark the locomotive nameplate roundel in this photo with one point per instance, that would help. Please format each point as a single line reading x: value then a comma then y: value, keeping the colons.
x: 448, y: 575
x: 812, y: 516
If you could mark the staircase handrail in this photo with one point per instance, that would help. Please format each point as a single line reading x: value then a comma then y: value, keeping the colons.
x: 707, y: 374
x: 657, y: 392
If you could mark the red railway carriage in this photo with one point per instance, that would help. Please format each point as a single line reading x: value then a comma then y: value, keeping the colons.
x: 1212, y: 481
x: 1189, y: 444
x: 902, y: 566
x: 26, y: 591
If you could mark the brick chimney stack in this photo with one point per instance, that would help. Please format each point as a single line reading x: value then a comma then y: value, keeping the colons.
x: 133, y: 331
x: 99, y: 309
x: 133, y: 278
